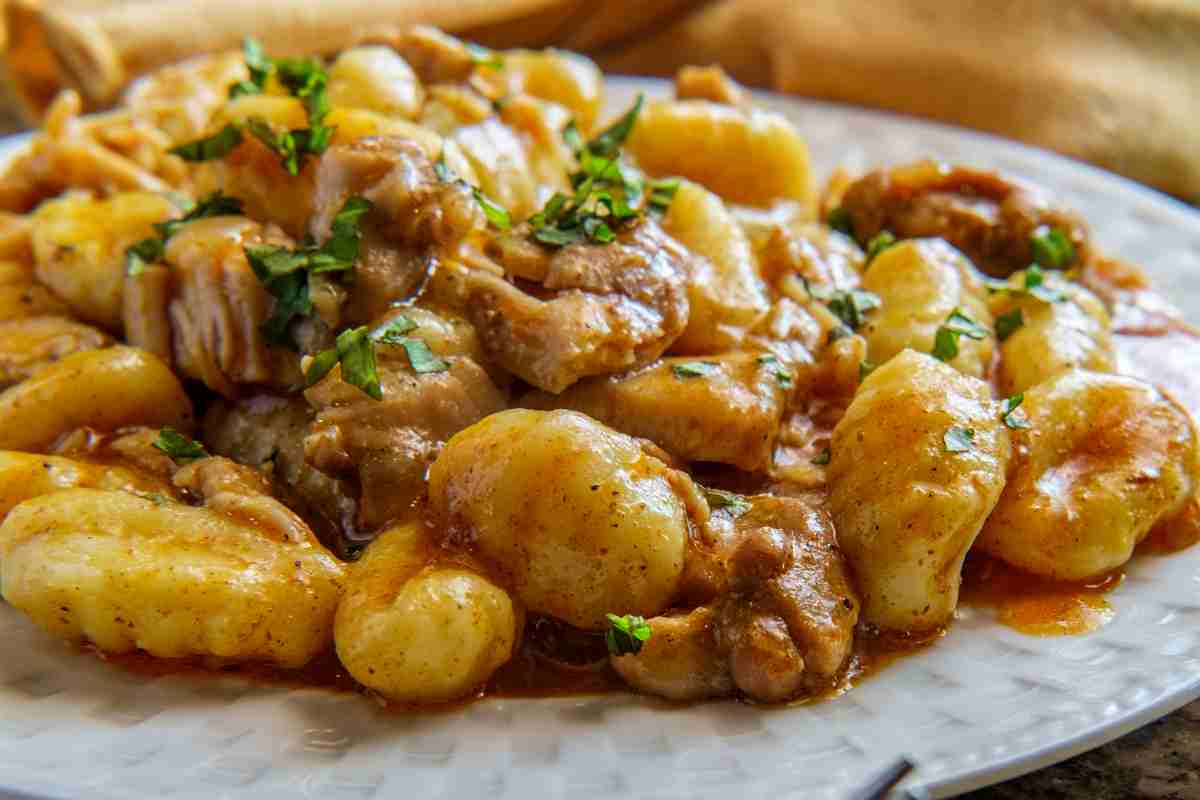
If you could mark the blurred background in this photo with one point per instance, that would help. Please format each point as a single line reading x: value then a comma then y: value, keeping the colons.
x: 1112, y: 82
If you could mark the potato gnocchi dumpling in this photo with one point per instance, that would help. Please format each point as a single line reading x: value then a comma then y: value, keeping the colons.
x: 579, y: 519
x: 422, y: 632
x: 22, y: 297
x: 375, y: 78
x: 1066, y: 327
x: 92, y: 389
x: 26, y: 475
x: 127, y: 572
x: 916, y: 465
x: 561, y: 77
x: 79, y: 245
x: 920, y: 283
x: 746, y: 156
x: 27, y: 345
x: 726, y: 294
x: 1104, y: 460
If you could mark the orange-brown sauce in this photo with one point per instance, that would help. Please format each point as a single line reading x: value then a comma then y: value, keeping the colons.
x: 1035, y: 605
x: 527, y: 675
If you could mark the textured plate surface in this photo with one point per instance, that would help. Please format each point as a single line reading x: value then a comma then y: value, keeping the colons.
x: 984, y: 704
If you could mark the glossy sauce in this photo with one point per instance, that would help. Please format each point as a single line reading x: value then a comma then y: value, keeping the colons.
x: 1035, y: 605
x: 528, y: 675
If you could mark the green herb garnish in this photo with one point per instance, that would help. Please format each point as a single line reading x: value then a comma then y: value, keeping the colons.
x: 219, y: 145
x: 865, y: 368
x: 1035, y: 286
x: 626, y: 634
x: 180, y: 448
x: 354, y: 351
x: 1009, y: 413
x: 421, y: 358
x: 662, y: 192
x: 1009, y: 323
x: 822, y: 458
x: 606, y: 193
x: 945, y: 341
x: 285, y: 272
x: 782, y: 375
x: 693, y: 369
x: 736, y: 503
x: 305, y: 79
x: 150, y: 250
x: 1051, y: 248
x: 959, y: 440
x: 495, y: 213
x: 880, y: 242
x: 392, y: 332
x: 840, y: 220
x: 609, y: 141
x: 851, y: 306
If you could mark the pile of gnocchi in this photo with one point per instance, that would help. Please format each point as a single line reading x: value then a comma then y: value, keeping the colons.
x: 409, y: 357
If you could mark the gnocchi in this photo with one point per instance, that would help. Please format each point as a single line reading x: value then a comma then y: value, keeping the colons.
x: 916, y: 465
x: 1104, y: 460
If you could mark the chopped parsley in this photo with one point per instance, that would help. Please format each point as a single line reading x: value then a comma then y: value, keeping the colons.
x: 1035, y: 285
x: 208, y: 148
x: 306, y: 80
x: 1010, y: 416
x: 880, y: 242
x: 626, y: 634
x: 607, y: 193
x: 180, y: 448
x: 392, y: 332
x: 958, y: 324
x: 421, y: 358
x: 662, y: 192
x: 496, y: 214
x: 609, y: 141
x: 354, y: 351
x: 285, y: 273
x: 1009, y: 323
x: 782, y: 375
x: 736, y: 503
x: 693, y: 369
x: 840, y: 220
x: 259, y: 66
x: 822, y: 458
x: 151, y: 249
x: 958, y: 440
x: 851, y: 306
x: 1051, y: 248
x: 865, y: 368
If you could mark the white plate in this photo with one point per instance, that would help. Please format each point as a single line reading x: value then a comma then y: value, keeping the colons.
x: 984, y: 704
